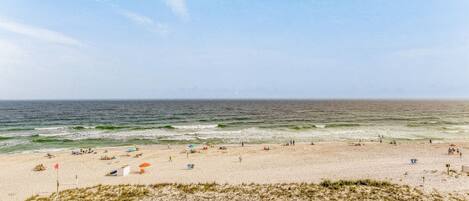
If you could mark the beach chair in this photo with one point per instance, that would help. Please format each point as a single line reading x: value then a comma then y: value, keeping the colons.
x: 112, y: 173
x: 190, y: 166
x: 48, y: 155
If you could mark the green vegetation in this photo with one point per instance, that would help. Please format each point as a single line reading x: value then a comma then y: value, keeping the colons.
x: 342, y: 183
x: 326, y: 190
x: 100, y: 192
x: 221, y: 125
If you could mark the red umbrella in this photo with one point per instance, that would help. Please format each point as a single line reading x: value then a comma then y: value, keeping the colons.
x: 144, y: 165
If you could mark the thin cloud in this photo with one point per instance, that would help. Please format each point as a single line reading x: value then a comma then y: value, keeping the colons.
x: 145, y: 21
x: 39, y: 33
x: 10, y: 54
x: 139, y: 19
x: 179, y: 8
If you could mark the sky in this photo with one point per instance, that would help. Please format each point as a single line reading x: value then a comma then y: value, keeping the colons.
x: 222, y: 49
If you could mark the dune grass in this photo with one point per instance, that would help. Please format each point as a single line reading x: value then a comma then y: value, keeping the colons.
x: 326, y: 190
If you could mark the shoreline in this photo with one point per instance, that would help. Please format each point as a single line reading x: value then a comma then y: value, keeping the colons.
x: 386, y: 140
x: 281, y: 164
x: 68, y: 137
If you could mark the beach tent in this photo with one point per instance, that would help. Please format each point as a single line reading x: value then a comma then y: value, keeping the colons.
x: 191, y: 146
x: 144, y: 165
x: 123, y: 171
x: 132, y: 149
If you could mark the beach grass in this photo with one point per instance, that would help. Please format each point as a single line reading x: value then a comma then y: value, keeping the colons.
x: 326, y: 190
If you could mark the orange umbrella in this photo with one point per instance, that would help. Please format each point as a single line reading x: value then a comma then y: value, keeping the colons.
x: 144, y: 165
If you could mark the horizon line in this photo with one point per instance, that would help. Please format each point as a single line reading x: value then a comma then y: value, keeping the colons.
x: 249, y: 99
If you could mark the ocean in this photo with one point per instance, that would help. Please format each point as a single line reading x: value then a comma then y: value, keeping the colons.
x: 48, y: 125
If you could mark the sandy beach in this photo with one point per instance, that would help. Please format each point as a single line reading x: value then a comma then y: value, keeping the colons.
x: 281, y: 164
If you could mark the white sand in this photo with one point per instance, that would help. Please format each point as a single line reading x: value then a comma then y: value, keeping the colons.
x: 300, y: 163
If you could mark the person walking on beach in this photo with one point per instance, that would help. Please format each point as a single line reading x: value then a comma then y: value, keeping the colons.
x: 240, y: 159
x: 242, y: 143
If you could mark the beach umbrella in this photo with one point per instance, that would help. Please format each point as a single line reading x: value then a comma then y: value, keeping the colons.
x: 144, y: 165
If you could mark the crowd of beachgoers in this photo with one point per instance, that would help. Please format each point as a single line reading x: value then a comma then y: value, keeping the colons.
x: 431, y: 166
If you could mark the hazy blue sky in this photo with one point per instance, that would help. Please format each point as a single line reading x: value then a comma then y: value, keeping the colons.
x: 101, y: 49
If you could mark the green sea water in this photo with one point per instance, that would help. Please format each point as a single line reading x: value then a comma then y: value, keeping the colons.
x: 45, y: 125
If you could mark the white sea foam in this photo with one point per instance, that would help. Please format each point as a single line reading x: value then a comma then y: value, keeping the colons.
x: 206, y: 132
x: 49, y: 128
x: 12, y: 142
x: 196, y: 127
x: 54, y: 134
x: 320, y: 126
